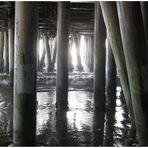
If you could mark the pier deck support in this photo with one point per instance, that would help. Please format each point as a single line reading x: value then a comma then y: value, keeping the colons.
x: 70, y: 64
x: 48, y: 52
x: 110, y: 15
x: 54, y: 54
x: 91, y: 66
x: 99, y: 71
x: 135, y: 51
x: 62, y: 55
x: 24, y: 118
x: 110, y: 95
x: 1, y: 51
x: 88, y: 52
x: 38, y: 56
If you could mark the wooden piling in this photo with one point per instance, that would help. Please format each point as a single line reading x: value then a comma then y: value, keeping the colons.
x: 1, y: 51
x: 144, y: 10
x: 62, y: 55
x: 110, y: 15
x: 99, y: 72
x: 24, y: 111
x: 134, y: 45
x: 88, y: 52
x: 70, y: 64
x: 6, y: 53
x: 38, y: 56
x: 110, y: 96
x: 11, y: 50
x: 91, y: 66
x: 54, y: 54
x: 48, y: 52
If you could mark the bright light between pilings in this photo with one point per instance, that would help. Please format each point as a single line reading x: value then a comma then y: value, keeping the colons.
x: 74, y: 55
x: 41, y: 46
x: 81, y: 52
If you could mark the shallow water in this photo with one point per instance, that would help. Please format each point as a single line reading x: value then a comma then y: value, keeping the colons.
x: 78, y: 116
x: 78, y: 125
x: 73, y: 128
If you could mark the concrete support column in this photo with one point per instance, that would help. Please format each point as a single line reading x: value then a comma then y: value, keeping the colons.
x: 11, y: 51
x: 6, y: 53
x: 62, y: 55
x: 24, y: 118
x: 99, y: 75
x: 1, y: 51
x: 110, y: 95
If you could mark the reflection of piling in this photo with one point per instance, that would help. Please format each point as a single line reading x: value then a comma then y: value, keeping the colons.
x: 99, y: 71
x: 110, y: 96
x: 129, y: 137
x: 61, y: 128
x: 10, y: 117
x: 24, y: 119
x: 98, y: 128
x: 62, y: 55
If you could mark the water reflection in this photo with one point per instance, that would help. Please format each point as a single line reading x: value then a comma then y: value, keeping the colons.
x: 61, y: 128
x: 6, y: 111
x: 46, y: 125
x: 76, y: 122
x: 71, y: 128
x: 97, y: 133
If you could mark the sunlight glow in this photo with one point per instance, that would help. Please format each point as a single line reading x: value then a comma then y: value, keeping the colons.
x: 74, y: 55
x: 41, y: 46
x: 82, y: 52
x: 41, y: 49
x: 78, y: 118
